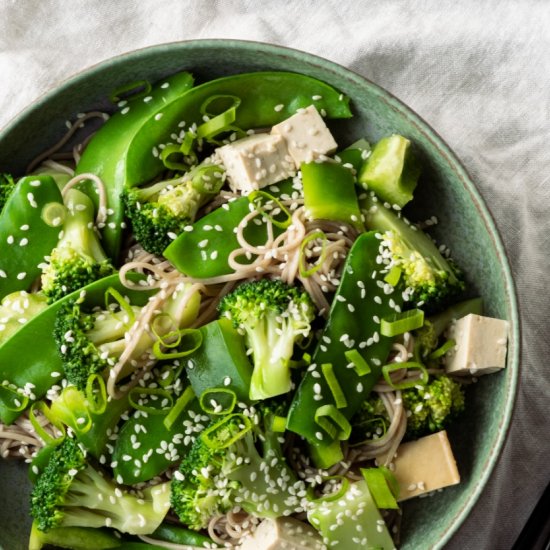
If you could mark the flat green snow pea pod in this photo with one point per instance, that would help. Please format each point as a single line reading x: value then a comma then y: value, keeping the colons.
x: 73, y: 538
x: 329, y: 193
x: 203, y: 251
x: 221, y: 361
x: 107, y: 154
x: 29, y: 229
x: 29, y: 361
x: 180, y: 535
x: 266, y: 98
x: 145, y: 447
x: 351, y: 344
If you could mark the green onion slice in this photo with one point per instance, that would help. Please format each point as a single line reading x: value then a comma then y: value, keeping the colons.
x: 333, y: 422
x: 73, y: 410
x: 404, y: 384
x: 186, y: 146
x: 334, y: 386
x: 124, y: 306
x: 399, y: 323
x: 336, y: 495
x: 302, y: 262
x: 180, y: 405
x: 212, y: 399
x: 41, y: 407
x: 379, y: 487
x: 222, y: 114
x: 187, y: 341
x: 20, y: 401
x: 360, y: 365
x: 133, y: 90
x: 53, y: 214
x: 279, y: 424
x: 96, y: 394
x: 229, y: 429
x: 171, y: 157
x: 256, y: 198
x: 153, y: 394
x: 442, y: 350
x: 378, y: 421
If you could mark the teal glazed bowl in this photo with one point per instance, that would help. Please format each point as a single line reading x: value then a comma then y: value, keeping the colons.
x: 445, y: 190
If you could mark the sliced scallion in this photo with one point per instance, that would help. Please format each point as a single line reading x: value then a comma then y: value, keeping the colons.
x: 404, y: 384
x: 359, y: 364
x: 304, y: 271
x: 333, y: 422
x: 187, y: 341
x: 218, y: 401
x: 229, y: 429
x: 179, y: 406
x: 442, y: 350
x: 334, y: 386
x: 379, y: 488
x: 399, y: 323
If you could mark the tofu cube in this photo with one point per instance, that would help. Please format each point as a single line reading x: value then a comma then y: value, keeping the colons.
x: 307, y: 135
x: 480, y: 345
x: 424, y: 465
x: 255, y: 162
x: 283, y: 533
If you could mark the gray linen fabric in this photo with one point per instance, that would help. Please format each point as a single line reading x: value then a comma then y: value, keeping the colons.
x: 478, y: 72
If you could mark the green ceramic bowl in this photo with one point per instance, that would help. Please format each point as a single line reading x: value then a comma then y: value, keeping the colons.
x: 445, y: 190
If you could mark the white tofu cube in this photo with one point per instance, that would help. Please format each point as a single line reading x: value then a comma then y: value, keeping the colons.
x: 424, y: 465
x: 307, y: 135
x: 480, y: 345
x: 283, y: 533
x: 256, y: 161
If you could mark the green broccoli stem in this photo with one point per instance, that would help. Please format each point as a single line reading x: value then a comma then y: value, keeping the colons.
x: 78, y: 229
x: 94, y: 501
x: 272, y: 343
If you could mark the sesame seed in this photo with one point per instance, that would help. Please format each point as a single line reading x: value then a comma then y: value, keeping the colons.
x: 279, y: 107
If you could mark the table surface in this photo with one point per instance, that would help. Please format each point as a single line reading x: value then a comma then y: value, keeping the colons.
x: 478, y: 72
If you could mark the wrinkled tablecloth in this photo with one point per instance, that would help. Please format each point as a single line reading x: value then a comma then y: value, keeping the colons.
x: 478, y: 72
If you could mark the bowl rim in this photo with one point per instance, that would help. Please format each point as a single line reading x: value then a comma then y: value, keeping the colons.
x: 422, y: 126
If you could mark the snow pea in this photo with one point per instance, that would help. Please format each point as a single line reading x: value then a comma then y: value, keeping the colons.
x: 34, y: 347
x: 145, y: 447
x: 221, y: 361
x: 266, y: 98
x: 329, y: 193
x: 363, y: 298
x: 108, y: 153
x: 355, y: 155
x: 180, y: 535
x: 203, y: 251
x: 27, y: 234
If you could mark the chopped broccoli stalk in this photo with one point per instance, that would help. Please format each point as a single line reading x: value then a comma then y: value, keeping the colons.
x: 73, y: 538
x: 429, y: 278
x: 16, y: 309
x: 70, y: 492
x: 159, y: 213
x: 250, y: 472
x: 78, y: 259
x: 432, y: 407
x: 7, y: 185
x: 90, y: 342
x: 427, y: 337
x: 273, y: 316
x: 350, y: 521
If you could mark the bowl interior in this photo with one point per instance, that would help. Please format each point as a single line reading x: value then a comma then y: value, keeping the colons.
x: 445, y: 190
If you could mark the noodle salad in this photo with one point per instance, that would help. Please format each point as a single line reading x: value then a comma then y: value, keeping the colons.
x: 219, y: 329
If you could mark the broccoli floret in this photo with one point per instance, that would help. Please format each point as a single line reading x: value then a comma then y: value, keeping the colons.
x: 162, y: 210
x: 273, y: 316
x: 90, y: 342
x: 430, y: 279
x: 7, y: 185
x: 78, y: 259
x: 433, y: 406
x: 236, y: 462
x: 70, y: 492
x: 370, y: 421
